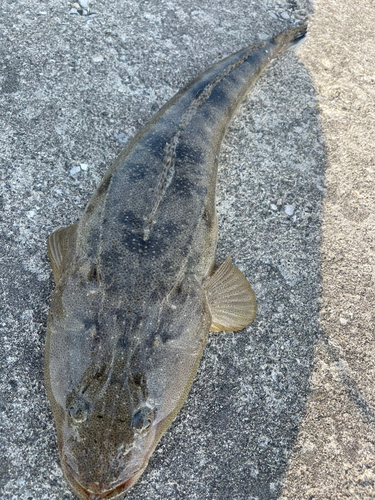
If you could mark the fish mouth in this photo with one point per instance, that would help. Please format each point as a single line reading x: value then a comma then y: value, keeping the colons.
x: 117, y: 489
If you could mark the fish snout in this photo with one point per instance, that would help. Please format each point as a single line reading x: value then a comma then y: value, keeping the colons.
x: 104, y: 487
x: 111, y: 494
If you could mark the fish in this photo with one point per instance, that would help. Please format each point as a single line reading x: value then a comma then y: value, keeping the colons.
x: 136, y: 292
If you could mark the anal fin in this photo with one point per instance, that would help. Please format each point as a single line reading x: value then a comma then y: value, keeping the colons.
x: 230, y: 297
x: 60, y: 244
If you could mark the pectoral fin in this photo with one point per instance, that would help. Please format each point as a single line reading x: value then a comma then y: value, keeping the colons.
x: 230, y: 297
x: 59, y: 245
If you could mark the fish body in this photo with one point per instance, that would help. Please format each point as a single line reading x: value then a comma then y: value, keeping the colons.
x: 135, y: 296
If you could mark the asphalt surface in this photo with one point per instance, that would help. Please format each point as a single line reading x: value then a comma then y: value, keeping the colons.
x: 285, y: 408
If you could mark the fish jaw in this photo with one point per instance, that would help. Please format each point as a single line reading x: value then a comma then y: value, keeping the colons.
x: 103, y: 478
x: 106, y: 493
x: 112, y: 490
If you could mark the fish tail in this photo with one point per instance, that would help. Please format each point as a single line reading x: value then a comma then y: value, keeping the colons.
x: 291, y: 38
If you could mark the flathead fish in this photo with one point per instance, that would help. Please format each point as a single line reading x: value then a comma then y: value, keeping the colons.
x: 135, y: 293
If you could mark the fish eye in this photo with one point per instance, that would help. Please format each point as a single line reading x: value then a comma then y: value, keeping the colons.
x: 78, y: 411
x: 142, y: 420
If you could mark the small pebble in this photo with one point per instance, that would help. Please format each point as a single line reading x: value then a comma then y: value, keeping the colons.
x: 97, y: 58
x: 263, y: 36
x: 289, y: 209
x: 73, y: 11
x: 30, y: 213
x: 84, y: 4
x: 74, y: 171
x: 343, y: 321
x: 28, y: 314
x: 273, y: 207
x: 284, y: 15
x: 121, y: 137
x: 84, y: 166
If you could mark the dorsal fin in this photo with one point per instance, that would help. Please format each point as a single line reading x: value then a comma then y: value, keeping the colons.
x: 165, y: 178
x: 167, y: 169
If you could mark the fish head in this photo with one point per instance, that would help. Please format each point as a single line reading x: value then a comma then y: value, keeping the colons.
x: 102, y: 444
x: 117, y: 379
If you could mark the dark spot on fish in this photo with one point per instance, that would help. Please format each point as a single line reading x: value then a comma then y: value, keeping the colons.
x: 90, y: 323
x: 184, y: 188
x: 169, y: 229
x: 156, y: 143
x: 138, y: 379
x: 133, y: 242
x: 166, y: 335
x: 155, y: 246
x: 208, y: 217
x: 218, y: 99
x: 129, y: 220
x: 94, y: 273
x: 167, y: 265
x: 111, y: 257
x: 124, y: 342
x: 187, y: 152
x: 120, y: 313
x: 137, y: 171
x: 254, y: 59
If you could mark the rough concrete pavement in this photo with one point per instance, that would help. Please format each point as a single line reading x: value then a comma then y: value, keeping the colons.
x: 284, y: 409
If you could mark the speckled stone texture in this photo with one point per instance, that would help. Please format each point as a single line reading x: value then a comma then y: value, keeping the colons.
x: 285, y: 408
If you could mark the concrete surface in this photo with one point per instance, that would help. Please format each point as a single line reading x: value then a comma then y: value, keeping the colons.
x: 284, y: 409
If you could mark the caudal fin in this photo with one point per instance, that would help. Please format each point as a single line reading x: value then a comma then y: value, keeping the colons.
x: 291, y: 38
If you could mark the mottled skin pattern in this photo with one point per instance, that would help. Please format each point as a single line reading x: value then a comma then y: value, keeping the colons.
x: 129, y: 317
